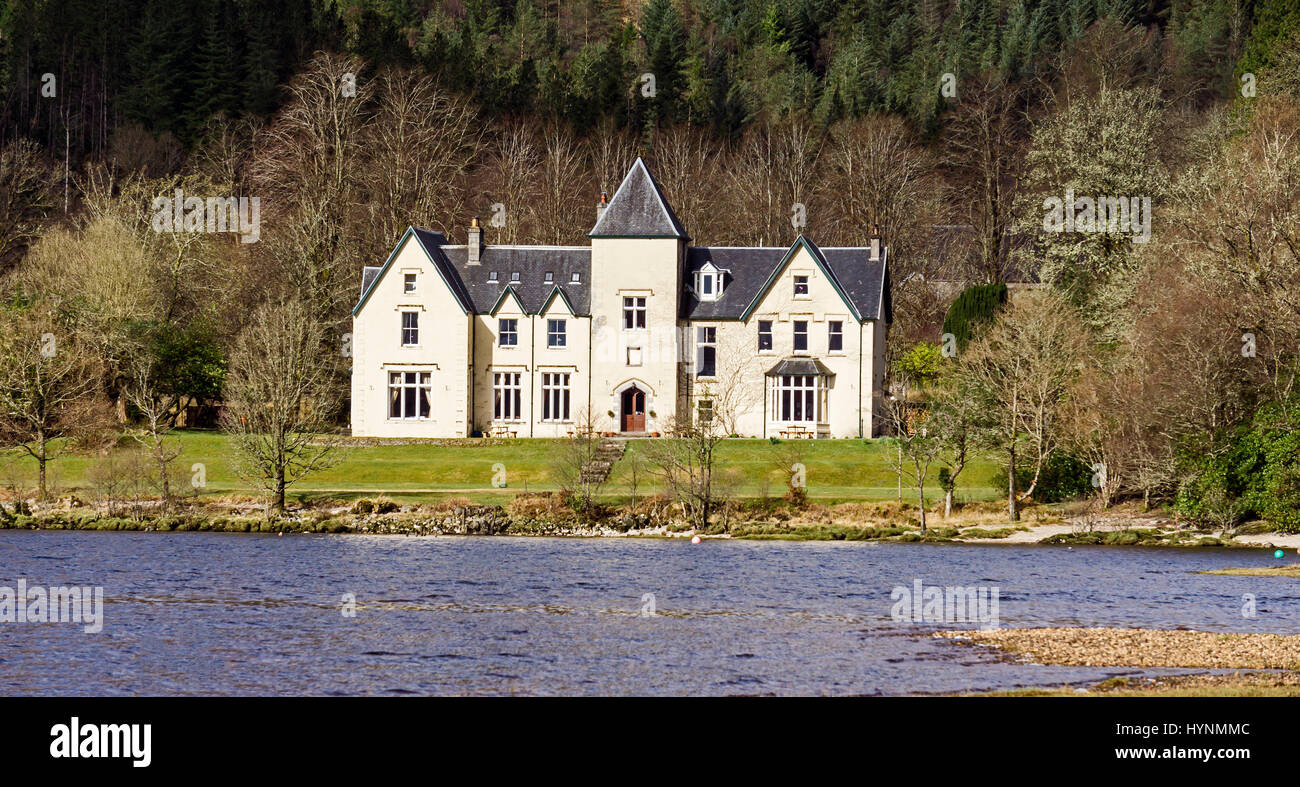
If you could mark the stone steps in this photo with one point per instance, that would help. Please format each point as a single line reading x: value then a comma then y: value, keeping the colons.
x: 602, y: 462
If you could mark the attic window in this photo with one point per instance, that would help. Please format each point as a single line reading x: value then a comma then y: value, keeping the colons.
x: 708, y: 283
x: 492, y: 275
x: 577, y: 277
x: 548, y: 277
x: 801, y: 286
x: 514, y: 276
x: 408, y: 283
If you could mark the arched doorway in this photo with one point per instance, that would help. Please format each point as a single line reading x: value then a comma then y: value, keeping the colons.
x: 633, y: 410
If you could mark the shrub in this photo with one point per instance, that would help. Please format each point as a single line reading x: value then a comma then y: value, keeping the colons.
x: 1064, y: 477
x: 976, y: 306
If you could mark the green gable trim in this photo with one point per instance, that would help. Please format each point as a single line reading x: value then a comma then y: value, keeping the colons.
x: 410, y: 233
x: 785, y: 262
x: 547, y: 303
x: 509, y: 290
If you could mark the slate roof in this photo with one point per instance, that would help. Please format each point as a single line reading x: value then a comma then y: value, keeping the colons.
x: 748, y: 269
x: 638, y: 210
x: 800, y: 366
x: 531, y: 263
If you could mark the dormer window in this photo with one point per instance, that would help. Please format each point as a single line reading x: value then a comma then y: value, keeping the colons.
x: 708, y: 283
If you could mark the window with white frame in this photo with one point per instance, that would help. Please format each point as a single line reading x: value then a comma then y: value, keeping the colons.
x: 555, y: 336
x: 764, y: 335
x: 408, y: 283
x: 409, y: 394
x: 634, y: 313
x: 835, y: 336
x: 706, y: 352
x: 797, y: 398
x: 800, y: 335
x: 507, y: 332
x: 801, y: 286
x: 410, y: 329
x: 548, y: 277
x: 708, y: 283
x: 576, y: 277
x: 555, y: 396
x: 507, y: 396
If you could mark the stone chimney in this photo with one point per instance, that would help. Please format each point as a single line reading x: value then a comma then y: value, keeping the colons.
x: 600, y: 206
x: 875, y: 242
x: 475, y: 241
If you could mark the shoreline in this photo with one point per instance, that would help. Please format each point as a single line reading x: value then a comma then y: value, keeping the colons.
x: 1047, y: 535
x: 547, y: 514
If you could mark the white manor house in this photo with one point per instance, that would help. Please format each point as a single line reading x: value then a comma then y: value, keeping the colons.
x: 624, y: 334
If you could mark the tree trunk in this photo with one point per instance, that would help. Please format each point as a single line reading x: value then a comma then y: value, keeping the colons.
x: 920, y: 500
x: 947, y: 502
x: 279, y: 491
x: 1012, y: 510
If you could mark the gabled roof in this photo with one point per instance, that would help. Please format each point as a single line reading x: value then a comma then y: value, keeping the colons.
x: 508, y: 292
x: 638, y: 210
x: 556, y: 291
x: 751, y: 271
x: 431, y: 243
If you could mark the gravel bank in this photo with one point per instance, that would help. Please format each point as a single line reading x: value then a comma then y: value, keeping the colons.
x: 1108, y: 647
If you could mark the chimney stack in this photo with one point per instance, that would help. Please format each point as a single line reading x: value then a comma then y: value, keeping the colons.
x: 600, y: 207
x: 875, y: 242
x: 475, y: 241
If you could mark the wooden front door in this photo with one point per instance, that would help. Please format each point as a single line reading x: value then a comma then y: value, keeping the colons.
x: 634, y: 410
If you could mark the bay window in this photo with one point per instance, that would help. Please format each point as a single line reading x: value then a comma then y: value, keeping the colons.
x: 797, y: 398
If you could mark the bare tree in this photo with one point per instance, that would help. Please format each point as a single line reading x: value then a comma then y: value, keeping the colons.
x: 308, y: 173
x: 684, y: 460
x: 50, y: 390
x: 420, y: 147
x: 279, y: 399
x: 563, y: 213
x: 158, y: 409
x: 512, y: 172
x: 1023, y: 369
x: 985, y: 140
x: 26, y: 198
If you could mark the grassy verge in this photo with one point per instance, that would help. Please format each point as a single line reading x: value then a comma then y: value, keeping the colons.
x: 836, y: 471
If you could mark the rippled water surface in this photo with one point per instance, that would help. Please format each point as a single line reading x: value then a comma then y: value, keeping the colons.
x: 196, y: 613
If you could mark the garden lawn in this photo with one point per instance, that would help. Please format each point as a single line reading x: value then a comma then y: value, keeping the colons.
x: 836, y: 470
